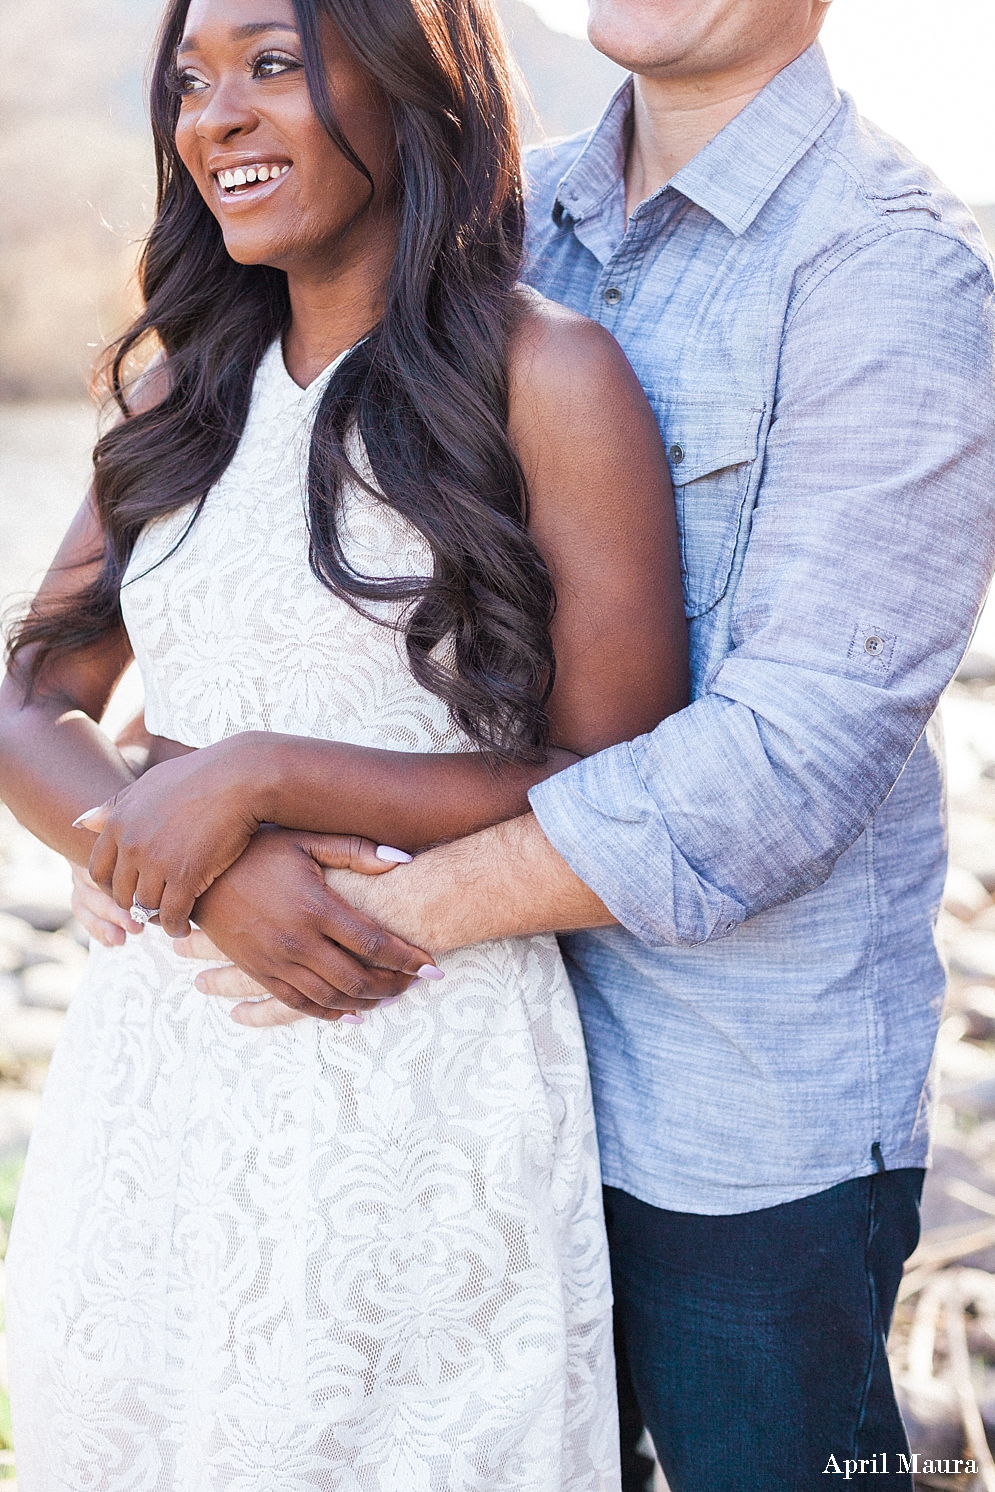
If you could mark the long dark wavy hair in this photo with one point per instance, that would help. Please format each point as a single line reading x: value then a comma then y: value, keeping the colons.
x: 427, y: 390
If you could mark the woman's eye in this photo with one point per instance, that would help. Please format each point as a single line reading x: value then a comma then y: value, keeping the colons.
x: 186, y: 82
x: 272, y: 64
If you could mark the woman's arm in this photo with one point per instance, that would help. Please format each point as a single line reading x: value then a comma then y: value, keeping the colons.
x: 55, y: 761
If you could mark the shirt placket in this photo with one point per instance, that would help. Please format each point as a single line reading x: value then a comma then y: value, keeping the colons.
x: 622, y: 273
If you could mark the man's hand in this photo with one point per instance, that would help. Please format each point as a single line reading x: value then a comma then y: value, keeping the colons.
x: 99, y: 914
x: 258, y: 1008
x: 272, y: 915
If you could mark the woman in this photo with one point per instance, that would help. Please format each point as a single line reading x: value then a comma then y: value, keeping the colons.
x: 362, y: 1253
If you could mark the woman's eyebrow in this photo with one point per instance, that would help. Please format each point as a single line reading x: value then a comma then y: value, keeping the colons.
x: 240, y: 33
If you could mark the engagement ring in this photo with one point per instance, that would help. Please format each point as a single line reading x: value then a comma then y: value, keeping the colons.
x: 142, y: 914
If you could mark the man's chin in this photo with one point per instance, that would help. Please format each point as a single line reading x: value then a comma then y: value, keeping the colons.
x: 646, y: 56
x: 649, y: 38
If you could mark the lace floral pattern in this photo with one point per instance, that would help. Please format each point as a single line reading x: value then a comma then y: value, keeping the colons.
x: 365, y: 1258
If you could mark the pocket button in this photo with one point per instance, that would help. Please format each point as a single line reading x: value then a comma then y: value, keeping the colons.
x: 874, y: 646
x: 677, y: 454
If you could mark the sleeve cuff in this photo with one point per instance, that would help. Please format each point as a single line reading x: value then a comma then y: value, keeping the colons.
x: 600, y: 816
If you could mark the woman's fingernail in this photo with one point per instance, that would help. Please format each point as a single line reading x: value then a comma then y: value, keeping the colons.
x: 390, y: 1000
x: 429, y: 971
x: 80, y: 823
x: 201, y: 983
x: 350, y: 1019
x: 396, y: 857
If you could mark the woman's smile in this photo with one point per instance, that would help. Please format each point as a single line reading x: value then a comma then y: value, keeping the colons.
x: 248, y: 180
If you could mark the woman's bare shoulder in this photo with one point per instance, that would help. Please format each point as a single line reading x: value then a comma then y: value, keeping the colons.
x: 572, y: 394
x: 150, y: 386
x: 555, y: 351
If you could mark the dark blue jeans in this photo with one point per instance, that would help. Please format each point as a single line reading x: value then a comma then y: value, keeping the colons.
x: 753, y: 1347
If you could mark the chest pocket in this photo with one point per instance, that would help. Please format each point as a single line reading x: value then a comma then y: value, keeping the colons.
x: 711, y: 446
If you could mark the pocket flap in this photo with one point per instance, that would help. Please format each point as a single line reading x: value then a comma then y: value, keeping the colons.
x: 711, y: 442
x: 707, y: 435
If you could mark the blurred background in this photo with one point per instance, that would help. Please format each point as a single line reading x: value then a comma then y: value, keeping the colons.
x: 78, y: 183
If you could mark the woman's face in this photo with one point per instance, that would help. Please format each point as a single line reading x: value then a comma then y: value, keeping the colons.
x: 248, y: 134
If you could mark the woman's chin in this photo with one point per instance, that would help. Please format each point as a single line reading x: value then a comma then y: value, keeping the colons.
x: 251, y: 248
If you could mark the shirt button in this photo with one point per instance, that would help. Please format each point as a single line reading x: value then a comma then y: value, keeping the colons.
x: 613, y: 295
x: 874, y: 645
x: 677, y: 454
x: 730, y: 926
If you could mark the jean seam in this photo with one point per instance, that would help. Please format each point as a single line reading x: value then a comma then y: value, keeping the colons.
x: 872, y: 1312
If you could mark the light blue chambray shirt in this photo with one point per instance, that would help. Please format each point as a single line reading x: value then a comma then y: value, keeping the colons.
x: 810, y: 313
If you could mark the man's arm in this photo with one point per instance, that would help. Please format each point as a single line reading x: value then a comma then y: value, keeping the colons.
x: 871, y: 548
x: 506, y: 881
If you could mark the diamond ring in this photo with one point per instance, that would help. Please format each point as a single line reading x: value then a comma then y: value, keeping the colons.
x: 142, y: 914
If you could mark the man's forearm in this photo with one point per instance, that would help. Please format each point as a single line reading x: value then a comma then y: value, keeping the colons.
x: 506, y: 881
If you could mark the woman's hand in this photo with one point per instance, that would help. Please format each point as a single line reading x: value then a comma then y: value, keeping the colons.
x: 272, y: 915
x: 165, y: 838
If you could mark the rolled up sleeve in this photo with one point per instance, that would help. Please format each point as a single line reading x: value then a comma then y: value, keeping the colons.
x: 871, y: 548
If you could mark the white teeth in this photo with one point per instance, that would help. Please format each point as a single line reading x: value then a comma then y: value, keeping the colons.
x: 249, y: 175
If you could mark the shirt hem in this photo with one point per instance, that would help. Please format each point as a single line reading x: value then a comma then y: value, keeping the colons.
x: 693, y: 1195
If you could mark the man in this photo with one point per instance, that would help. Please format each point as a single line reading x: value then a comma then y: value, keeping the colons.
x: 810, y: 313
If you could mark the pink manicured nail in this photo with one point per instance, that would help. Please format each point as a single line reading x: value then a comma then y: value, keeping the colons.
x: 390, y: 1000
x: 350, y: 1019
x: 201, y: 984
x: 81, y: 822
x: 396, y: 857
x: 429, y: 971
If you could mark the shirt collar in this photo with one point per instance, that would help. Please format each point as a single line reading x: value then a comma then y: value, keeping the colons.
x: 737, y: 172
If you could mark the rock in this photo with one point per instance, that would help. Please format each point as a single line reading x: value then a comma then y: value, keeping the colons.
x: 31, y: 1035
x: 16, y: 936
x: 977, y: 668
x: 976, y: 1003
x: 976, y: 1099
x: 10, y: 996
x: 981, y: 1338
x: 932, y: 1418
x: 44, y: 916
x: 18, y: 1109
x: 963, y: 894
x: 972, y: 953
x: 55, y: 948
x: 50, y: 986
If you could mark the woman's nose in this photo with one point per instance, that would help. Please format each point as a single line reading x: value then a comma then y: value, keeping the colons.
x: 226, y: 113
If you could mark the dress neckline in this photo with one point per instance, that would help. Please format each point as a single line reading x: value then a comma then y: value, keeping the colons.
x: 318, y: 381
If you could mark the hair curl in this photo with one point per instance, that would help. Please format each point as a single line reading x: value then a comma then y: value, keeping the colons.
x: 427, y: 390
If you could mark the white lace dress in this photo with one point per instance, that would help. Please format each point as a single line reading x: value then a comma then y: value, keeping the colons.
x: 362, y: 1258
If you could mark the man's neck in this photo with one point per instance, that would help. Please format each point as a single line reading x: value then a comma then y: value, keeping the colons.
x: 674, y: 118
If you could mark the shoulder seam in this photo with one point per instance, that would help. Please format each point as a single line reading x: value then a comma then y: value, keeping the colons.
x: 874, y: 232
